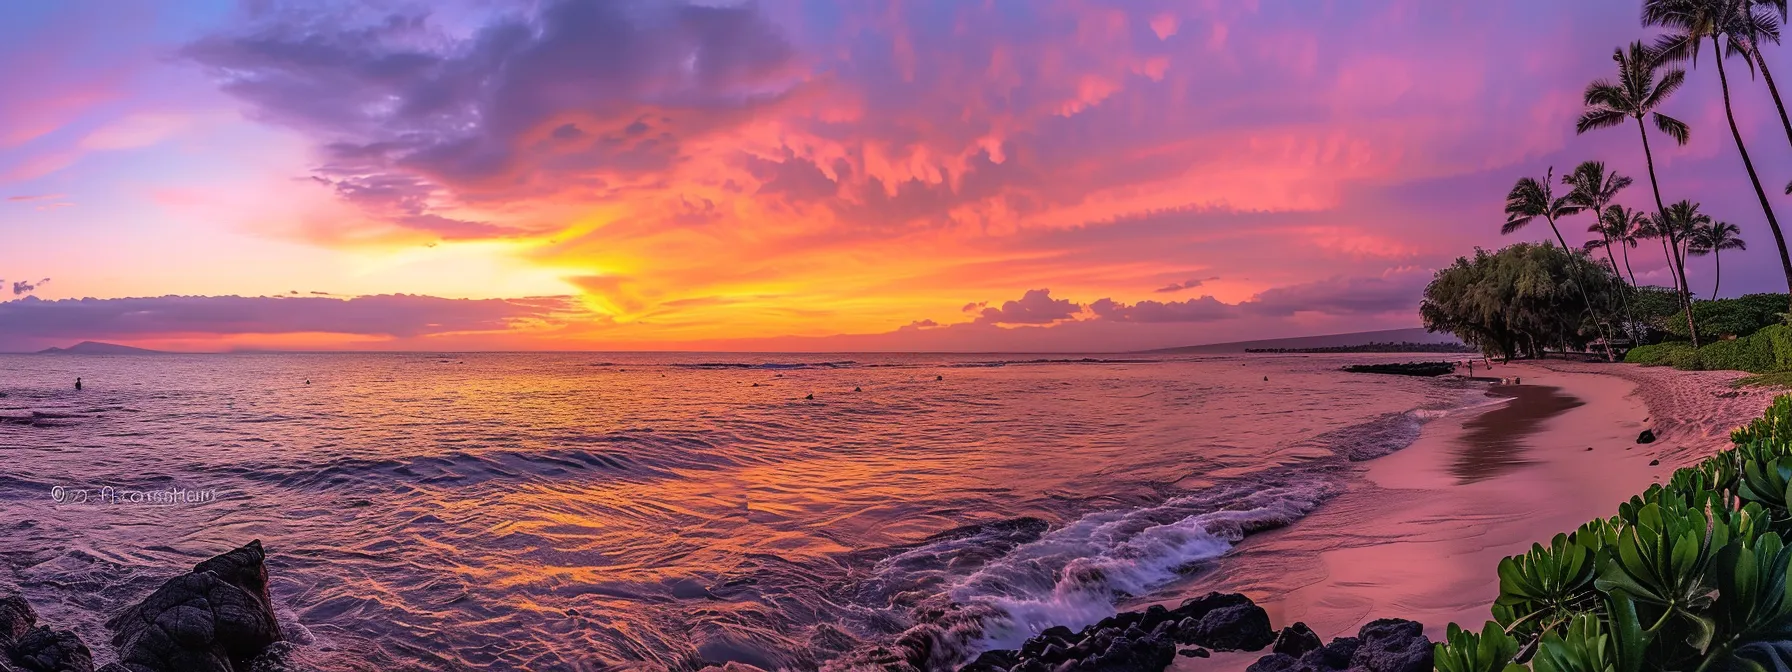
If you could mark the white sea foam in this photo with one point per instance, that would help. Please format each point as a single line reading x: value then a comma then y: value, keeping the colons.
x: 1073, y: 575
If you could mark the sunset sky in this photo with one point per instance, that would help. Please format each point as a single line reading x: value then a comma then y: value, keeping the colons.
x: 802, y: 174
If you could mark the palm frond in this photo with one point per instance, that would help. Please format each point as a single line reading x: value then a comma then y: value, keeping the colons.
x: 1670, y: 82
x: 1675, y: 128
x: 1607, y: 118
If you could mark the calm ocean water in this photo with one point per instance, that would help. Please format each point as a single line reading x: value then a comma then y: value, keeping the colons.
x: 654, y: 511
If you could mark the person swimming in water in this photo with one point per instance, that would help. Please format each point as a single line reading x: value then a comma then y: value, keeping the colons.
x: 77, y: 384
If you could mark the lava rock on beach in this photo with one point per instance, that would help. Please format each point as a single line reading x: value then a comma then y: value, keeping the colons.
x: 1648, y: 436
x: 1386, y: 645
x: 218, y: 618
x: 1144, y: 641
x: 26, y: 646
x: 1424, y: 369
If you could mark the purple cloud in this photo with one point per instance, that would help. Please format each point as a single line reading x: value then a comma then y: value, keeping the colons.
x: 1035, y: 307
x: 1201, y: 309
x: 393, y: 315
x: 412, y: 119
x: 22, y: 287
x: 1391, y: 292
x: 1188, y: 284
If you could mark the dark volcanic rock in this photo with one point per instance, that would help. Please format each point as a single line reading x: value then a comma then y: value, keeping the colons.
x: 1648, y: 436
x: 1276, y: 662
x: 1240, y: 627
x: 1296, y: 640
x: 1198, y: 607
x: 1333, y: 657
x: 1393, y: 645
x: 16, y: 619
x: 219, y: 618
x: 45, y: 650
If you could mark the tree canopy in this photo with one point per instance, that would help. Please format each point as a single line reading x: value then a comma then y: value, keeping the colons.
x: 1520, y: 300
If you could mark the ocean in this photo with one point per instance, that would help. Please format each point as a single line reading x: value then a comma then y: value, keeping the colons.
x: 586, y: 511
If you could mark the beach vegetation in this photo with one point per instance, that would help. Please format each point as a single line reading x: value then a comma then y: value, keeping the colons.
x: 1644, y: 83
x: 1490, y: 650
x: 1713, y: 238
x: 1522, y: 299
x: 1690, y: 575
x: 1732, y: 28
x: 1739, y: 316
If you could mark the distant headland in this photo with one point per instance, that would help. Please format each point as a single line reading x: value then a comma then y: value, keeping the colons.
x: 97, y: 348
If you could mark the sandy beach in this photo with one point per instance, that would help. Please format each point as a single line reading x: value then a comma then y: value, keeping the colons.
x: 1419, y: 535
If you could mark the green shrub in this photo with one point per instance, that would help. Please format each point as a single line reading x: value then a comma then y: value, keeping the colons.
x: 1753, y: 353
x: 1684, y: 358
x: 1780, y: 337
x: 1655, y: 355
x: 1764, y: 351
x: 1740, y: 316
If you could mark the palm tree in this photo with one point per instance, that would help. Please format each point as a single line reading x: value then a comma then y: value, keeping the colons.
x: 1609, y: 236
x: 1723, y: 21
x: 1530, y: 199
x: 1712, y: 238
x: 1621, y: 225
x: 1760, y: 25
x: 1679, y: 225
x: 1635, y: 95
x: 1593, y: 189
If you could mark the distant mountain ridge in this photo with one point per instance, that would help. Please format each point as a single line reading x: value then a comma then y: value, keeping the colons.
x: 1412, y: 335
x: 97, y: 348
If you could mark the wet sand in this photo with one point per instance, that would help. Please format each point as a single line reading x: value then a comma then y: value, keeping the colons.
x: 1420, y: 533
x: 1494, y: 443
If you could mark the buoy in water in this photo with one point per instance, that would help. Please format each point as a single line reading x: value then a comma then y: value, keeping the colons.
x: 857, y: 390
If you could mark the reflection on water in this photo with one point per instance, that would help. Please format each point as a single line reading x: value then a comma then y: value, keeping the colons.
x: 1493, y: 442
x: 577, y: 511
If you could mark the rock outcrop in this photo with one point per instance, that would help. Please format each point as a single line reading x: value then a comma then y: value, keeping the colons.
x: 1144, y: 641
x: 1386, y: 645
x: 26, y: 646
x: 218, y: 618
x: 1148, y: 641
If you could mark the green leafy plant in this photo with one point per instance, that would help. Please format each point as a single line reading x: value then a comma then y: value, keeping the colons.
x: 1659, y: 561
x: 1753, y: 612
x: 1542, y: 589
x: 1465, y: 651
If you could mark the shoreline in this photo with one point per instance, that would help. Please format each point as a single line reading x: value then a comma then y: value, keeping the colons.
x: 1418, y: 533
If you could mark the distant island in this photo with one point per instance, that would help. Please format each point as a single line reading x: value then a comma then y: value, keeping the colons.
x: 1403, y: 346
x: 1413, y: 335
x: 97, y: 348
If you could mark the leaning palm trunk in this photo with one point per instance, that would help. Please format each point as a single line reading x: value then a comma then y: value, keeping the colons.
x: 1717, y: 275
x: 1624, y: 295
x: 1625, y: 248
x: 1778, y: 238
x: 1661, y: 214
x: 1604, y: 337
x: 1761, y: 63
